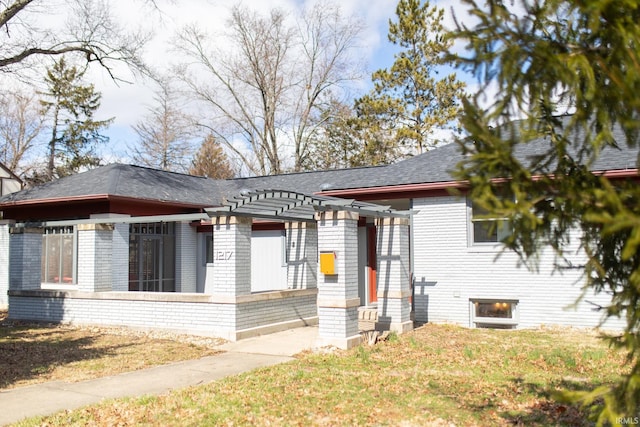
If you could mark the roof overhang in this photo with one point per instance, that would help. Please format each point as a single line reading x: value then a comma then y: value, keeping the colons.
x: 116, y: 220
x: 95, y: 197
x: 294, y: 206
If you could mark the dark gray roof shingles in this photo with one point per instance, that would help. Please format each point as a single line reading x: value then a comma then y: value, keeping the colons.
x: 125, y: 181
x: 144, y: 183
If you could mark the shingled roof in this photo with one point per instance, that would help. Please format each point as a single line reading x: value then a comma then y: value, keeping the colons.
x: 125, y: 181
x: 137, y: 182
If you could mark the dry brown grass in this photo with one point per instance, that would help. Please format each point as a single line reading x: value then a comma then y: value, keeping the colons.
x: 34, y: 353
x: 437, y: 375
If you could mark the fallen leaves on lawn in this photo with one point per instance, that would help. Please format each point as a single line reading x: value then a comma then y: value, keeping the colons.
x: 34, y: 353
x: 437, y: 375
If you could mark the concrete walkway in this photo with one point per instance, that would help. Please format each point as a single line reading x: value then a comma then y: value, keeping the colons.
x: 241, y: 356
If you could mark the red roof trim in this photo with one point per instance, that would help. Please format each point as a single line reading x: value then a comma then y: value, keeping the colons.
x: 434, y: 186
x: 105, y: 197
x: 390, y: 189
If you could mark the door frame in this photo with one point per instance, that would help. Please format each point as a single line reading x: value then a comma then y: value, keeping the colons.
x: 372, y: 264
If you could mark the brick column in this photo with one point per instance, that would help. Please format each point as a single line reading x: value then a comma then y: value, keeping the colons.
x: 338, y: 299
x: 394, y: 287
x: 25, y: 258
x: 4, y: 261
x: 120, y: 260
x: 186, y: 257
x: 95, y: 257
x: 302, y: 251
x: 230, y: 273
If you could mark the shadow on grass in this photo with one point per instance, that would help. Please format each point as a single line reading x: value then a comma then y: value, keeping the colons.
x: 546, y: 410
x: 31, y: 350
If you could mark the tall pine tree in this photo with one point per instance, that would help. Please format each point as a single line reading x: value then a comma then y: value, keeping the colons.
x: 70, y: 105
x: 408, y: 104
x: 537, y: 61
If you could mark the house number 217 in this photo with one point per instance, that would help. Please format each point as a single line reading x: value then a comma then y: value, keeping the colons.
x: 222, y: 255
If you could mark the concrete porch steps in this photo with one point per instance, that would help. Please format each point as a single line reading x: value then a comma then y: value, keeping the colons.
x: 367, y: 318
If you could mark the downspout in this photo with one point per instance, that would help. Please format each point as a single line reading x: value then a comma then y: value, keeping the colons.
x: 411, y: 251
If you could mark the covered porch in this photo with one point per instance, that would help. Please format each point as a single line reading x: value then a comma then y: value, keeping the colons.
x: 322, y: 235
x: 321, y: 271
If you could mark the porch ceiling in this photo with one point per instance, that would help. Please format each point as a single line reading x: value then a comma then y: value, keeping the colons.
x: 295, y: 206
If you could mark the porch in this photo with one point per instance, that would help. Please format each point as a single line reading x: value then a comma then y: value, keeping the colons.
x: 321, y: 271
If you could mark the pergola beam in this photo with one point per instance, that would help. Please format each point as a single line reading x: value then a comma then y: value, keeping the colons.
x: 287, y: 205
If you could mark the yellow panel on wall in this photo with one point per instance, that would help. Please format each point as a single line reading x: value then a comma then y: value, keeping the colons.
x: 328, y: 262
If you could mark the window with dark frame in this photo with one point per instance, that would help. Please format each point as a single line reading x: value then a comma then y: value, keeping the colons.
x: 152, y: 257
x: 58, y: 264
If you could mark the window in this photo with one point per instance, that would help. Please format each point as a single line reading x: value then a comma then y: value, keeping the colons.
x: 152, y: 257
x: 487, y: 229
x: 58, y: 255
x: 500, y: 314
x: 208, y: 248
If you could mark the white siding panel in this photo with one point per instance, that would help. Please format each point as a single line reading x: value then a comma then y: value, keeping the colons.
x: 268, y: 267
x: 449, y: 273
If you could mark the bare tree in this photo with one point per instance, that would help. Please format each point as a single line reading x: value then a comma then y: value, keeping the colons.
x: 89, y: 32
x: 166, y: 133
x: 264, y: 91
x: 21, y: 123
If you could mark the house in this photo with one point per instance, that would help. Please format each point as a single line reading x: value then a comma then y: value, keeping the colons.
x: 9, y: 183
x: 127, y: 245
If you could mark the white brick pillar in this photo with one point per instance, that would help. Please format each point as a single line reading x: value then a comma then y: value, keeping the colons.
x: 120, y: 260
x: 394, y: 286
x: 186, y: 257
x: 4, y: 261
x: 302, y: 251
x: 25, y: 258
x: 95, y: 257
x: 230, y: 273
x: 338, y: 299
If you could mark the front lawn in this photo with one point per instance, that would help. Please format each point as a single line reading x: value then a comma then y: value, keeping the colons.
x: 436, y: 375
x: 33, y: 353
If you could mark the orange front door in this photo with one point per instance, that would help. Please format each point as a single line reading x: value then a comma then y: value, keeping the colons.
x: 372, y: 263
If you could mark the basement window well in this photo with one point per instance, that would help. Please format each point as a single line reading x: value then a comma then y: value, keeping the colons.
x: 497, y: 314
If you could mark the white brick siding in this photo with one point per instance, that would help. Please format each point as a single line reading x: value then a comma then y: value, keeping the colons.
x: 186, y: 259
x: 95, y: 257
x: 337, y: 316
x: 25, y: 255
x: 394, y: 287
x: 216, y: 319
x: 337, y: 322
x: 266, y: 312
x: 302, y: 249
x: 231, y: 266
x: 194, y: 314
x: 4, y: 264
x: 340, y: 236
x: 120, y: 260
x: 449, y: 272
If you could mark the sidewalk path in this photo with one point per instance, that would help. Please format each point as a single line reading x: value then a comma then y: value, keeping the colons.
x: 241, y: 356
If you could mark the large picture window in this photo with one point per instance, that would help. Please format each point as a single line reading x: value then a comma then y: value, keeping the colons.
x: 58, y: 255
x: 152, y: 257
x: 487, y: 229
